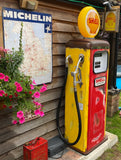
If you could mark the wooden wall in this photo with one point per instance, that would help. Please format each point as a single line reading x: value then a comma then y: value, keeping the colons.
x: 12, y: 137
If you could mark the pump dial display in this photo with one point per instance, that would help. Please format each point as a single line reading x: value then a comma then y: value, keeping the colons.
x: 100, y: 61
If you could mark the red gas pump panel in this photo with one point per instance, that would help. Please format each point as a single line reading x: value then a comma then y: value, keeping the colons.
x: 97, y: 96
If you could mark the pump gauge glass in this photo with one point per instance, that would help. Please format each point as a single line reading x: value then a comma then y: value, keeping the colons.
x: 100, y: 61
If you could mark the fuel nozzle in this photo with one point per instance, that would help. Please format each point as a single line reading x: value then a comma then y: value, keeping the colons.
x: 78, y: 71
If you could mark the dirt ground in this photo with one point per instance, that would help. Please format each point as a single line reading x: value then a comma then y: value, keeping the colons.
x: 111, y: 154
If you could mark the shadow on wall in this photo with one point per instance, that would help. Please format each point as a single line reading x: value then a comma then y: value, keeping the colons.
x: 9, y: 137
x: 6, y: 132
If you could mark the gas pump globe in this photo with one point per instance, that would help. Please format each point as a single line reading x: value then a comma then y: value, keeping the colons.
x: 90, y: 77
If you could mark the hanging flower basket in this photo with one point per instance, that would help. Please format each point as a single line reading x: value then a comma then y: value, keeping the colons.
x: 17, y: 91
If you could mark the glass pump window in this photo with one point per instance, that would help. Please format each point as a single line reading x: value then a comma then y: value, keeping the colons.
x: 100, y: 61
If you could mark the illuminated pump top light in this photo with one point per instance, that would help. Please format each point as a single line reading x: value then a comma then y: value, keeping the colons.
x: 89, y: 22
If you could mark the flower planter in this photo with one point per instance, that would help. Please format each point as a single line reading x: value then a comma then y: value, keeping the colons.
x: 18, y: 91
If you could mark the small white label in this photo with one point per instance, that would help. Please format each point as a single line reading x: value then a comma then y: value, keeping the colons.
x: 100, y: 81
x: 81, y: 106
x: 96, y: 138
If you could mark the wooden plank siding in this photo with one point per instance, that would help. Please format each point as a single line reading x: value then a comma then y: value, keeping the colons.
x: 64, y: 28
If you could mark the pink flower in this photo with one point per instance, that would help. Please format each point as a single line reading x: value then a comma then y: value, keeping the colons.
x: 33, y: 82
x: 43, y: 89
x: 22, y: 120
x: 6, y: 94
x: 30, y: 92
x: 19, y: 89
x: 6, y: 78
x: 39, y: 104
x: 31, y: 86
x: 10, y: 107
x: 6, y: 50
x: 45, y: 85
x: 10, y: 96
x: 36, y: 94
x: 41, y: 114
x: 20, y: 114
x: 1, y: 93
x: 4, y: 106
x: 33, y: 97
x: 14, y: 122
x: 2, y: 76
x: 16, y: 95
x: 36, y: 103
x: 37, y: 112
x: 17, y: 84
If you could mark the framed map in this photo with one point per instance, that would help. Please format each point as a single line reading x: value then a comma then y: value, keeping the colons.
x: 36, y: 40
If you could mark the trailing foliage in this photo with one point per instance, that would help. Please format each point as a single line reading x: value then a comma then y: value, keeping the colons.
x: 10, y: 63
x: 17, y: 90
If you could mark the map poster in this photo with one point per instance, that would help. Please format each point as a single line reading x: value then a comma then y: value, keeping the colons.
x: 36, y: 41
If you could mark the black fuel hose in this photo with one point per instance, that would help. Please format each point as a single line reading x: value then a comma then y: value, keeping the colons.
x: 78, y: 113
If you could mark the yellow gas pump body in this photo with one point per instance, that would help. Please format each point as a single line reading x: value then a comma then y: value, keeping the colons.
x: 71, y: 118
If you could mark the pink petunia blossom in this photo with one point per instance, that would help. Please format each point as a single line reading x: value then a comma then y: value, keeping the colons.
x: 33, y: 82
x: 37, y: 112
x: 20, y: 114
x: 6, y: 94
x: 6, y: 50
x: 17, y: 84
x: 10, y: 96
x: 41, y: 113
x: 2, y: 76
x: 6, y: 78
x: 33, y: 97
x: 10, y: 107
x: 1, y: 93
x: 16, y: 95
x: 45, y: 85
x: 36, y: 94
x: 39, y: 104
x: 22, y: 120
x: 4, y: 106
x: 31, y: 86
x: 43, y: 89
x: 34, y: 101
x: 19, y: 89
x: 30, y: 92
x: 14, y: 122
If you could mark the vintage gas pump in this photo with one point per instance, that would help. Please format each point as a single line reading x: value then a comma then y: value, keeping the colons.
x: 87, y: 63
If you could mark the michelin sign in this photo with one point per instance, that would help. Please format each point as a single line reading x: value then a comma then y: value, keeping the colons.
x: 37, y: 41
x: 21, y: 15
